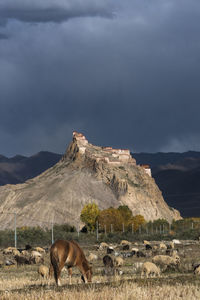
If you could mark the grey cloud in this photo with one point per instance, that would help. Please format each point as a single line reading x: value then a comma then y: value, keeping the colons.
x: 131, y: 81
x: 3, y: 36
x: 53, y: 11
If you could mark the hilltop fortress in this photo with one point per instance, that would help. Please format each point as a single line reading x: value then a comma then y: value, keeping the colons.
x: 98, y: 155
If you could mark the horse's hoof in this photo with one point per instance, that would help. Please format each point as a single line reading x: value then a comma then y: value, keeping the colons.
x: 59, y: 283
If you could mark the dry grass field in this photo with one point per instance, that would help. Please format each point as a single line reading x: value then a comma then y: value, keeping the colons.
x: 23, y: 282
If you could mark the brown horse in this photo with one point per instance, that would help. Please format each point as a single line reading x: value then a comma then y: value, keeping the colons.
x: 70, y: 254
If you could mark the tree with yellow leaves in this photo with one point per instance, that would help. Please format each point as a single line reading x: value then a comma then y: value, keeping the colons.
x: 110, y: 216
x: 136, y: 221
x: 89, y: 215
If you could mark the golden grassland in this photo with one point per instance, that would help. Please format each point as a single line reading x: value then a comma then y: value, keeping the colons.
x: 24, y: 283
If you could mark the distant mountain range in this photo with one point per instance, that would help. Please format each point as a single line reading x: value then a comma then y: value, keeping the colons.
x: 176, y: 174
x: 20, y: 168
x: 178, y: 177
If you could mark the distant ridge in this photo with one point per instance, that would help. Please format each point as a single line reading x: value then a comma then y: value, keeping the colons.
x: 19, y: 168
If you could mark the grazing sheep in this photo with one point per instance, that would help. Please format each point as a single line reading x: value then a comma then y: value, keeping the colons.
x: 103, y: 246
x: 170, y: 245
x: 16, y: 252
x: 36, y: 254
x: 149, y: 268
x: 7, y: 251
x: 118, y: 261
x: 107, y: 261
x: 148, y: 247
x: 25, y: 253
x: 28, y: 247
x: 125, y: 247
x: 21, y: 260
x: 134, y: 250
x: 125, y: 242
x: 140, y: 254
x: 146, y: 242
x: 43, y: 271
x: 127, y: 254
x: 36, y: 260
x: 9, y: 263
x: 162, y: 246
x: 166, y: 261
x: 92, y: 257
x: 39, y: 249
x: 176, y: 242
x: 109, y: 266
x: 196, y: 269
x: 110, y: 250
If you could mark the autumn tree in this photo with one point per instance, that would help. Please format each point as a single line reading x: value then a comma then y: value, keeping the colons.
x: 89, y: 215
x: 126, y: 214
x: 110, y: 216
x: 136, y: 221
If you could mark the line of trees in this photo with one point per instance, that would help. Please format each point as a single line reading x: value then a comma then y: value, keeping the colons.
x: 110, y: 218
x: 121, y: 219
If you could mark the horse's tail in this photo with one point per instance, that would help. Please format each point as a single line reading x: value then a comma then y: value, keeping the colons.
x: 55, y: 262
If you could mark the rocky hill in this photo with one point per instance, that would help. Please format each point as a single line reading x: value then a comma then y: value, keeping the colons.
x: 177, y: 175
x: 86, y: 173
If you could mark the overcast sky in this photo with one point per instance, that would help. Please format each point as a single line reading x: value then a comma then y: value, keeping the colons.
x: 126, y: 73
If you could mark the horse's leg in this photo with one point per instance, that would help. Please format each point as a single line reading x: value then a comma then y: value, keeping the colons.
x: 50, y: 270
x: 70, y: 275
x: 60, y: 267
x: 83, y: 273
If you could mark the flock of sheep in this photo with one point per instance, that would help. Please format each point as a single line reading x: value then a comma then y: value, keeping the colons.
x: 157, y: 257
x: 26, y: 256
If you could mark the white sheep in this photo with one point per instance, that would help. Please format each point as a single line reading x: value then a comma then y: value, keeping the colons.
x: 92, y: 257
x: 25, y: 252
x: 146, y: 242
x: 125, y: 242
x: 162, y: 246
x: 134, y: 249
x: 165, y: 261
x: 103, y: 246
x: 171, y: 245
x: 43, y: 271
x: 36, y: 254
x: 118, y: 261
x: 176, y: 241
x: 197, y: 270
x: 39, y: 249
x: 7, y: 251
x: 16, y: 252
x: 149, y: 268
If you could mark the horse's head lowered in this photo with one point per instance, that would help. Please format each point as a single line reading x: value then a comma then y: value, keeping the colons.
x: 88, y: 274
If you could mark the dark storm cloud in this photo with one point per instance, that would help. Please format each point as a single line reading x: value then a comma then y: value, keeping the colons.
x: 53, y: 10
x: 130, y: 81
x: 3, y: 36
